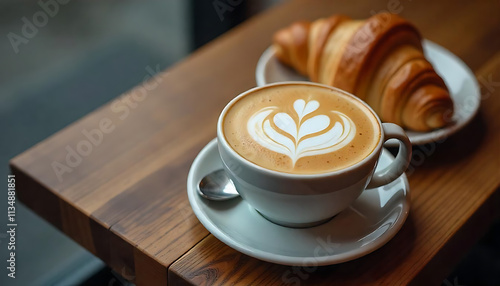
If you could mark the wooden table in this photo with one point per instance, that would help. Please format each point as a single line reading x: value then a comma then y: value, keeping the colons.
x: 125, y: 200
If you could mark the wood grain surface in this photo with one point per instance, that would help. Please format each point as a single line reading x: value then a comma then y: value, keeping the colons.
x: 126, y: 202
x: 454, y: 189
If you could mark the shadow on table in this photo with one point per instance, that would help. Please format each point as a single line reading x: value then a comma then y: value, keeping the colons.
x: 356, y: 270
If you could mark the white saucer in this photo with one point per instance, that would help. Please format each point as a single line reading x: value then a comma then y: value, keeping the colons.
x: 373, y: 219
x: 459, y: 79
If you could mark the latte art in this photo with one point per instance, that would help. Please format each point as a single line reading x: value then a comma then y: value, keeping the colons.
x: 300, y: 129
x: 295, y: 136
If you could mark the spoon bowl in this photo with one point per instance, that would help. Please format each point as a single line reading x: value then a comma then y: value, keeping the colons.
x: 217, y: 186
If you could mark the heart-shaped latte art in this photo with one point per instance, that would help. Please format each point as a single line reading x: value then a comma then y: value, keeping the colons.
x: 296, y: 138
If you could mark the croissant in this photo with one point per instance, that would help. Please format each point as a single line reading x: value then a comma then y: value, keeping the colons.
x: 380, y: 60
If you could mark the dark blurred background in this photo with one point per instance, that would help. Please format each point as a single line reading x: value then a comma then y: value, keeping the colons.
x: 88, y: 53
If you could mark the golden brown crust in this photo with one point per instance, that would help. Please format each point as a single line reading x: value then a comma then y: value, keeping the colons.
x: 373, y: 87
x: 320, y: 32
x: 292, y: 45
x: 380, y: 60
x: 429, y: 107
x: 371, y: 42
x: 334, y: 52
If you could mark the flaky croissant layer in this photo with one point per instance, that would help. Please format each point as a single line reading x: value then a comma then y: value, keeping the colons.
x: 380, y: 60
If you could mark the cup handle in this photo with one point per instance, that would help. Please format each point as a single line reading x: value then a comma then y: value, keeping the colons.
x: 399, y: 165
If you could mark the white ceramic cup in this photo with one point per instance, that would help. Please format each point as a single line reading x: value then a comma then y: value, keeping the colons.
x: 303, y: 200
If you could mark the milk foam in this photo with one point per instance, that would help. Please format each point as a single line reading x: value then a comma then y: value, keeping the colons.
x: 300, y: 129
x: 294, y: 137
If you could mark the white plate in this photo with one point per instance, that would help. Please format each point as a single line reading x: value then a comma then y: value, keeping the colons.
x: 372, y: 220
x: 459, y: 79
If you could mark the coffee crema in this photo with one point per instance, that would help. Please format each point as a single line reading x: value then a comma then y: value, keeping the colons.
x: 301, y: 129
